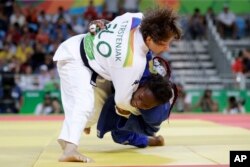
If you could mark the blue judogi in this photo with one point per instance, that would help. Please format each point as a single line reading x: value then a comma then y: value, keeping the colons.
x: 135, y: 129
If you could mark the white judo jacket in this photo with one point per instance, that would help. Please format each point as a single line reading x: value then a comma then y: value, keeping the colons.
x: 117, y: 53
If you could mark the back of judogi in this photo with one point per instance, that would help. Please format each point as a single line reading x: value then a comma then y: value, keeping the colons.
x: 118, y: 53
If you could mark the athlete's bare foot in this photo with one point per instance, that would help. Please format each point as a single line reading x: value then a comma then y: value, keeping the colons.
x: 71, y: 154
x: 156, y: 141
x: 74, y: 156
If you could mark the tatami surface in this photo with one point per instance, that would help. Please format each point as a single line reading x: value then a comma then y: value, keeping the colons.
x: 191, y: 140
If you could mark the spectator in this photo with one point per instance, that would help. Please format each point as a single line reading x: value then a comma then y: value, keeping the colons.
x: 226, y: 23
x: 105, y: 14
x: 53, y: 83
x: 8, y: 7
x: 27, y: 79
x: 246, y: 62
x: 6, y: 52
x: 14, y: 34
x: 38, y: 57
x: 61, y: 14
x: 90, y: 13
x: 47, y: 27
x: 53, y: 45
x: 112, y: 7
x: 78, y: 26
x: 7, y: 103
x: 196, y: 25
x: 17, y: 17
x: 210, y: 13
x: 56, y: 106
x: 3, y: 24
x: 23, y: 51
x: 131, y: 5
x: 183, y: 101
x: 234, y: 107
x: 17, y: 94
x: 49, y: 105
x: 28, y: 34
x: 42, y: 36
x: 248, y: 26
x: 56, y: 33
x: 43, y: 17
x: 45, y: 107
x: 206, y: 103
x: 237, y: 66
x: 49, y: 61
x: 44, y: 76
x: 31, y: 15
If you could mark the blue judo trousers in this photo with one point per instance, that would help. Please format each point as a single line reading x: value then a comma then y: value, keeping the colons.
x: 135, y: 129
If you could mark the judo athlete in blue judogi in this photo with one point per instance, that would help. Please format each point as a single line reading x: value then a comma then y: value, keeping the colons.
x: 133, y: 130
x: 136, y: 130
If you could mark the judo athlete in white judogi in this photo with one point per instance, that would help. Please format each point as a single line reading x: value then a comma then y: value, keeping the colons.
x: 117, y: 53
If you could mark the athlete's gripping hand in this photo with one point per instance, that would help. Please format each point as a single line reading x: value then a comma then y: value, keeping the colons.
x: 97, y: 25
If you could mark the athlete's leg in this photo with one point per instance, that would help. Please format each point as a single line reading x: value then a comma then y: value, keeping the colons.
x: 129, y: 138
x: 78, y: 101
x: 135, y: 139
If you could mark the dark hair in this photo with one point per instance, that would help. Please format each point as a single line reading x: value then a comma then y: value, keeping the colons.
x: 47, y: 96
x: 160, y: 24
x: 160, y: 86
x: 240, y: 54
x: 207, y: 93
x: 197, y: 10
x: 232, y: 100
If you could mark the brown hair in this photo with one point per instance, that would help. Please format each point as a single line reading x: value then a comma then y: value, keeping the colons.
x: 160, y: 24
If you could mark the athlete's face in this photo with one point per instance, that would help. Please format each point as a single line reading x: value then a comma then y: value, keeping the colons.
x: 158, y: 47
x: 144, y: 99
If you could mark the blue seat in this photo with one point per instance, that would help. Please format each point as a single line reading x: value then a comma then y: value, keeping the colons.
x: 241, y: 26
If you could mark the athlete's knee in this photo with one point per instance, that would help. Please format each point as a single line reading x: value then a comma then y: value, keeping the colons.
x: 117, y: 138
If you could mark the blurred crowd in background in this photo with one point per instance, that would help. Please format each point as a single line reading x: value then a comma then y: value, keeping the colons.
x: 207, y: 104
x: 29, y: 38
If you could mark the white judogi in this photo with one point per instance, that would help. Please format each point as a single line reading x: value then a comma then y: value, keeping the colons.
x: 117, y: 54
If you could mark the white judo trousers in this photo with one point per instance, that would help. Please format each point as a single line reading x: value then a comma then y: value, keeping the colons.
x: 77, y: 98
x: 77, y: 93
